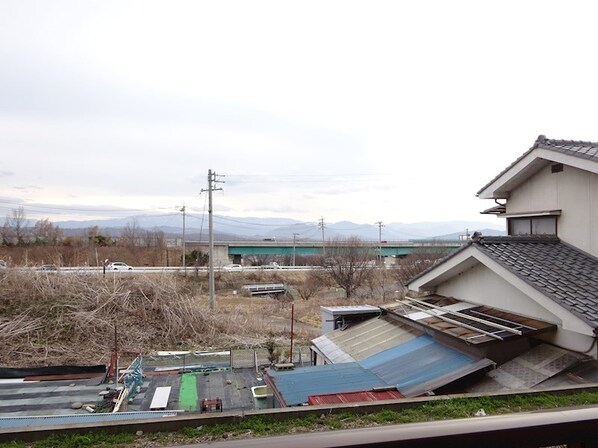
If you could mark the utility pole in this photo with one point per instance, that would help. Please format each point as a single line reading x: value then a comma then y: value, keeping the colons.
x: 294, y: 247
x: 322, y: 225
x: 212, y: 179
x: 380, y: 225
x: 183, y: 209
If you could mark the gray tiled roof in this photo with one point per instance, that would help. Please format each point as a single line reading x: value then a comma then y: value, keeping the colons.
x: 585, y: 150
x: 560, y: 271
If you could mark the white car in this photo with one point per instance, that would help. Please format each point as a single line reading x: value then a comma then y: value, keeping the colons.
x: 119, y: 266
x: 233, y: 267
x: 271, y: 265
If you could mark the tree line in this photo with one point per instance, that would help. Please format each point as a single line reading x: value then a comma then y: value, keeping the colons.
x: 18, y: 232
x: 349, y: 263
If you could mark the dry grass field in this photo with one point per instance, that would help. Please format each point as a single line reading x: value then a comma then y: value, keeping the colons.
x: 51, y: 318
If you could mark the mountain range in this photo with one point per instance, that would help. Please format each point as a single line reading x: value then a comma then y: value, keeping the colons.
x: 253, y: 228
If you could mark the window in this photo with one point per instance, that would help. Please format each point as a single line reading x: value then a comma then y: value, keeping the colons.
x: 532, y: 225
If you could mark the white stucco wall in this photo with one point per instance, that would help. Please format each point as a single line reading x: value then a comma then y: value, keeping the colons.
x: 570, y: 340
x: 482, y: 286
x: 574, y: 192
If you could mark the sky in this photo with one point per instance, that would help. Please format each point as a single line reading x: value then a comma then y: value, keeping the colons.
x: 365, y: 111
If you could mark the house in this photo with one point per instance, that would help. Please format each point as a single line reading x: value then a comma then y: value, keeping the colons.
x: 526, y: 303
x: 547, y: 266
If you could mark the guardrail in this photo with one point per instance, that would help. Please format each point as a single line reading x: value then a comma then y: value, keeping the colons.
x: 138, y: 269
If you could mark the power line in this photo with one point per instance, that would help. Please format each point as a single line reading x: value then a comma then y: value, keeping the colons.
x: 305, y: 178
x: 225, y: 218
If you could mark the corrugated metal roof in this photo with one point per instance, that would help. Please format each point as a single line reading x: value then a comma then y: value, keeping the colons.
x: 354, y: 397
x: 364, y: 339
x: 328, y: 348
x: 78, y: 419
x: 422, y: 365
x: 528, y: 370
x: 414, y: 368
x: 294, y: 386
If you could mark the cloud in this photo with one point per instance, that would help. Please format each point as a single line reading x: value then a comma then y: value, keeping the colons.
x: 387, y: 112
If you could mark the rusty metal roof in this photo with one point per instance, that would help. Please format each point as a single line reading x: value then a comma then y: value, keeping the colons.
x: 474, y: 324
x: 354, y: 397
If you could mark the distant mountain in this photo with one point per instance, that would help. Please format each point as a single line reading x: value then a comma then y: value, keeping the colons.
x: 460, y: 235
x: 233, y: 228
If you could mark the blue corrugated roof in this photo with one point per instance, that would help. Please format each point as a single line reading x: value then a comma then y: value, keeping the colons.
x: 414, y: 367
x: 296, y: 385
x: 421, y: 364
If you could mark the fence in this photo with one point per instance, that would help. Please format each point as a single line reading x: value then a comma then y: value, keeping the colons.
x: 254, y: 358
x: 223, y: 359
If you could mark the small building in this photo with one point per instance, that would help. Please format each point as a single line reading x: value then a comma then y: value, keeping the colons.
x: 500, y: 313
x: 334, y: 317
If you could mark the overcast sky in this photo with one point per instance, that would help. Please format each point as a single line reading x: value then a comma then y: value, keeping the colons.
x: 368, y: 111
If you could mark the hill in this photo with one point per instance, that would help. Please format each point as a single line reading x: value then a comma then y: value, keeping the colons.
x: 236, y: 228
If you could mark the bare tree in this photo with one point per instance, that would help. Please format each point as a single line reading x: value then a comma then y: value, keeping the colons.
x: 313, y: 283
x: 16, y: 225
x: 131, y: 234
x: 417, y: 262
x: 46, y: 233
x: 154, y: 238
x: 348, y: 262
x: 5, y: 234
x: 381, y: 284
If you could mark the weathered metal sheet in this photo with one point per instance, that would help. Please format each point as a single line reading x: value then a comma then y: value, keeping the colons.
x: 354, y: 397
x: 294, y: 386
x: 474, y: 324
x: 421, y: 365
x: 364, y: 339
x: 528, y: 370
x: 78, y: 419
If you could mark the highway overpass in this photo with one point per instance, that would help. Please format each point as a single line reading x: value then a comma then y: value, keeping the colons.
x: 234, y: 251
